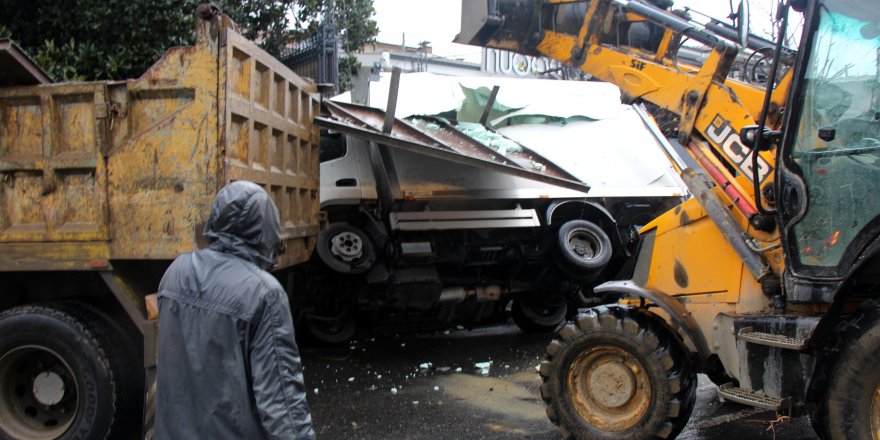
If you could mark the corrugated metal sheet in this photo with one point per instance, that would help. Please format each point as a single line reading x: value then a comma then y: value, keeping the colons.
x: 436, y: 138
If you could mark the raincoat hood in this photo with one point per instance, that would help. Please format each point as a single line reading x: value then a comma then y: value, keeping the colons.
x: 244, y: 222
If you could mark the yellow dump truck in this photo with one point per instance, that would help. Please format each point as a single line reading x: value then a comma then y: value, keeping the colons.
x: 102, y: 184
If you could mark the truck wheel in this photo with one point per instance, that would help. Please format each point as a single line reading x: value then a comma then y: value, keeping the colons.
x: 57, y: 377
x: 537, y: 314
x: 330, y: 330
x: 852, y: 407
x: 345, y: 249
x: 618, y: 373
x: 585, y: 249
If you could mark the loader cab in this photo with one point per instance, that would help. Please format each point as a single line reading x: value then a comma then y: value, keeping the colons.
x: 828, y: 187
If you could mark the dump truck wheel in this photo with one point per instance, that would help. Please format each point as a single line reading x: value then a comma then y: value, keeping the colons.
x: 584, y: 247
x: 331, y: 330
x: 618, y: 372
x: 535, y: 314
x: 345, y: 249
x: 852, y: 407
x: 57, y: 377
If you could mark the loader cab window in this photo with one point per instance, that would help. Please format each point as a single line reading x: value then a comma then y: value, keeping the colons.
x: 837, y: 144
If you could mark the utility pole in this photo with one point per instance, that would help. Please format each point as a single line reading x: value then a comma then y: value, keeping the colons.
x: 422, y: 64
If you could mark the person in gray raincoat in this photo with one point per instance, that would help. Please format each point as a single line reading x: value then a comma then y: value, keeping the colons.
x: 228, y: 365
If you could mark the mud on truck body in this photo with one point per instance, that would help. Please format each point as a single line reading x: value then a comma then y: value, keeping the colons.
x: 102, y: 185
x: 434, y: 222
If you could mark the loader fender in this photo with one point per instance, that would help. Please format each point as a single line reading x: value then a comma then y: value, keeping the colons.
x: 676, y: 311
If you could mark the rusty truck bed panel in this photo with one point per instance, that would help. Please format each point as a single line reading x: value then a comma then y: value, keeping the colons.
x: 97, y: 171
x: 271, y: 138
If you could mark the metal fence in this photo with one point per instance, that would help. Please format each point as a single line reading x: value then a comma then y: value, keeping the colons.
x: 316, y: 57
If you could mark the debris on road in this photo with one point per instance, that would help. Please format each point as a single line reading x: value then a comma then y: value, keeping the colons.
x: 483, y: 367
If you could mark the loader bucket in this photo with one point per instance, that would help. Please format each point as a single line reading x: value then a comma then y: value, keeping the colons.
x: 502, y: 24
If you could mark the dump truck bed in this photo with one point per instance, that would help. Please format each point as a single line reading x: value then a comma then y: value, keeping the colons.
x: 93, y: 172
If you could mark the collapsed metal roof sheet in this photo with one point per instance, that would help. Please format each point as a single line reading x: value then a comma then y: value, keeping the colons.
x: 580, y: 126
x: 437, y: 138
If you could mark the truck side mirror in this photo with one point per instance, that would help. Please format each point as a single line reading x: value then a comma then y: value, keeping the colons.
x: 827, y: 134
x: 748, y: 135
x: 742, y: 22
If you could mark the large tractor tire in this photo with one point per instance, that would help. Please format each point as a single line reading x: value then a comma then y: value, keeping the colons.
x: 852, y: 405
x: 618, y: 372
x: 62, y: 375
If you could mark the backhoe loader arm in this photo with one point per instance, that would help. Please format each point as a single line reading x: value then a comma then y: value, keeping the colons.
x: 636, y: 46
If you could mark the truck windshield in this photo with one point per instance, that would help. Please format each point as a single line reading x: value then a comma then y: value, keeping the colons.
x: 837, y: 144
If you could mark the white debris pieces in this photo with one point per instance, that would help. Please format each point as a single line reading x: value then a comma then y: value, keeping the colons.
x: 483, y: 367
x: 393, y: 390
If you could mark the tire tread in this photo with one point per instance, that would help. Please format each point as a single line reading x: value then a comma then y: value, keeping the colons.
x: 94, y: 331
x: 660, y: 344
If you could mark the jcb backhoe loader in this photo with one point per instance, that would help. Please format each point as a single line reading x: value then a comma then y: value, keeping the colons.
x: 768, y: 279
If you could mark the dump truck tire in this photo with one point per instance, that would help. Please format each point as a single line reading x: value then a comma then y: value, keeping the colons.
x: 584, y: 248
x: 534, y: 315
x: 852, y: 405
x: 618, y: 372
x: 60, y: 377
x: 330, y: 332
x: 345, y: 249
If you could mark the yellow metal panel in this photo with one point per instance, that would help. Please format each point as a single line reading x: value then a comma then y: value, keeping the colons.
x: 52, y: 176
x: 270, y: 138
x: 91, y: 172
x: 54, y: 256
x: 691, y: 257
x: 163, y: 174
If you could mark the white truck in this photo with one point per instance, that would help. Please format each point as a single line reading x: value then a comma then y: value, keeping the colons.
x: 435, y: 221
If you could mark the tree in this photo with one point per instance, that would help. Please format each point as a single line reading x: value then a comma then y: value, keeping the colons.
x: 79, y: 39
x: 117, y: 39
x: 264, y: 21
x: 355, y: 26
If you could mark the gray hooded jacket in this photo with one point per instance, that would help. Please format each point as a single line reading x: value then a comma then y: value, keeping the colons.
x: 229, y: 367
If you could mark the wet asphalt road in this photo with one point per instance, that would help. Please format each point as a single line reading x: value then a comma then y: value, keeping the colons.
x: 427, y: 386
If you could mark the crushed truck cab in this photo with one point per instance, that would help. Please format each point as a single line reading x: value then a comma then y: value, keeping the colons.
x: 444, y: 220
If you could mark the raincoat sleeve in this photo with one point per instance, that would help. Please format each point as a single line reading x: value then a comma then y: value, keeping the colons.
x: 276, y: 373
